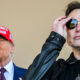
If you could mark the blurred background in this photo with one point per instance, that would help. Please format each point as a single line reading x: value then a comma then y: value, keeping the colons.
x: 30, y: 23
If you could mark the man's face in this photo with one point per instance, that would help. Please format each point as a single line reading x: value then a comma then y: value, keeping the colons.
x: 6, y: 49
x: 73, y: 37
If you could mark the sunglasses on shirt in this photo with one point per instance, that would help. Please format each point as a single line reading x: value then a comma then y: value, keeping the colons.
x: 72, y: 23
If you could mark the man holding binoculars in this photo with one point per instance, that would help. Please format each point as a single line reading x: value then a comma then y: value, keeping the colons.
x: 45, y: 66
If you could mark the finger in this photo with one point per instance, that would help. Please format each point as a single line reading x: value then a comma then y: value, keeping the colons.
x: 67, y: 19
x: 59, y: 19
x: 64, y: 21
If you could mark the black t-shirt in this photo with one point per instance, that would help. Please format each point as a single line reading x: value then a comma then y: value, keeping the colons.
x: 72, y: 72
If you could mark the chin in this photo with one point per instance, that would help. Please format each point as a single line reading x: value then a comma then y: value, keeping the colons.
x: 73, y: 42
x: 76, y: 43
x: 76, y: 46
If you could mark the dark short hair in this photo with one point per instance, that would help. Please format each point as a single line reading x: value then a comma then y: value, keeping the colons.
x: 72, y: 6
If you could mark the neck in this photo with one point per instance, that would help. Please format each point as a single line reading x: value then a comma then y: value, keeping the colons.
x: 76, y: 53
x: 4, y: 62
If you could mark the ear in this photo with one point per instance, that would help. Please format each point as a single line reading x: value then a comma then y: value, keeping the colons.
x: 12, y: 49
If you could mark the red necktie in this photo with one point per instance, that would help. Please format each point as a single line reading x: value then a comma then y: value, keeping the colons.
x: 2, y: 77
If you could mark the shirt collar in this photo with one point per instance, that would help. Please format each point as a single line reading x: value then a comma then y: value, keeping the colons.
x: 9, y: 67
x: 71, y: 59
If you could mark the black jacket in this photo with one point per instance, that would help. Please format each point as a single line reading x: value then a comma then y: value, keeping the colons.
x: 45, y: 64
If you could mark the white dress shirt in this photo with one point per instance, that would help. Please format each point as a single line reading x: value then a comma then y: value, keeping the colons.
x: 9, y: 71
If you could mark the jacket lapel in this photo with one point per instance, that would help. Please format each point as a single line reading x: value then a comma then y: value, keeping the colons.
x: 16, y: 75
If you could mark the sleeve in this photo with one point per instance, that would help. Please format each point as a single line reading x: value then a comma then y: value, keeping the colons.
x: 43, y: 61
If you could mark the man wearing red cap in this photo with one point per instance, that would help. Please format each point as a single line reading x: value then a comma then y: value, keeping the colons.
x: 8, y: 70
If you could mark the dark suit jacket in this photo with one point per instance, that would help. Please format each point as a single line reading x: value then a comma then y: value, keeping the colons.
x: 19, y: 72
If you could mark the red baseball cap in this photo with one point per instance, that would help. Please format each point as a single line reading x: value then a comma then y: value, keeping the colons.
x: 5, y: 32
